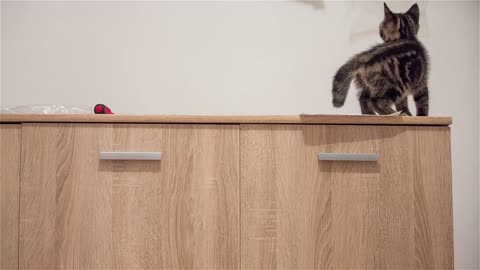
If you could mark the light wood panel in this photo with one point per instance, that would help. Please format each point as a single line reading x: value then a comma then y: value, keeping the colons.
x: 433, y: 198
x: 232, y: 119
x: 301, y: 213
x: 372, y: 202
x: 78, y: 212
x: 285, y: 201
x: 9, y: 192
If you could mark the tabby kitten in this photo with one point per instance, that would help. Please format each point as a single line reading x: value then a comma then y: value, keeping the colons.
x: 387, y: 73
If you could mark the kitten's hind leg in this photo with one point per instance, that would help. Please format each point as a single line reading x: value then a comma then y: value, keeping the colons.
x: 421, y: 101
x: 383, y: 106
x: 365, y: 102
x: 402, y: 105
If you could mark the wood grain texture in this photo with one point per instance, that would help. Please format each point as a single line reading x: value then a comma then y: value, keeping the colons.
x: 433, y: 199
x: 82, y: 213
x: 9, y: 194
x: 285, y: 201
x: 219, y: 119
x: 372, y: 202
x: 299, y: 213
x: 38, y: 197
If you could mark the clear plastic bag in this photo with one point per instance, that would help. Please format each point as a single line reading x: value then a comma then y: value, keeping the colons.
x: 5, y: 110
x: 48, y: 109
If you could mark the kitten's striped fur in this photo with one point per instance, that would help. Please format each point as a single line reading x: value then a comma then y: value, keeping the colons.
x: 387, y: 73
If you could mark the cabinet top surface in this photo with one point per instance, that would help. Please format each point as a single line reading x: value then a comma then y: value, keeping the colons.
x: 224, y: 119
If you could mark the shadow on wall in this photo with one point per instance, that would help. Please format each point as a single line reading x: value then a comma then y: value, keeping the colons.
x: 317, y: 4
x: 365, y: 16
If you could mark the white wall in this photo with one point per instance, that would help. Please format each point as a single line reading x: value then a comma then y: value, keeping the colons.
x: 238, y: 58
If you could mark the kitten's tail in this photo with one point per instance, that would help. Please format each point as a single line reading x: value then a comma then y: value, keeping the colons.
x: 342, y: 80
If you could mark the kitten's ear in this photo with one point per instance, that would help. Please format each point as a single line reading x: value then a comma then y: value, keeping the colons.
x: 414, y: 12
x: 388, y: 12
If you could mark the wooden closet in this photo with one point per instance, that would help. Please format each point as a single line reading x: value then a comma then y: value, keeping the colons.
x: 225, y: 192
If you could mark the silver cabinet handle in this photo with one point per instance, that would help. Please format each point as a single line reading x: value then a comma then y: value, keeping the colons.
x: 348, y: 157
x: 130, y: 155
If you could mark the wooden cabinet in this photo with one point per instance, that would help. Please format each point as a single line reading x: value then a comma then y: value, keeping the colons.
x: 9, y: 191
x: 80, y: 212
x: 302, y: 213
x: 228, y: 193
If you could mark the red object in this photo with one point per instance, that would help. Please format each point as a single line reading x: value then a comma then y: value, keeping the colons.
x: 102, y: 109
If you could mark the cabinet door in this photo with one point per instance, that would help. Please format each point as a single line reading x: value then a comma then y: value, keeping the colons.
x: 301, y: 213
x: 9, y: 186
x: 80, y: 212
